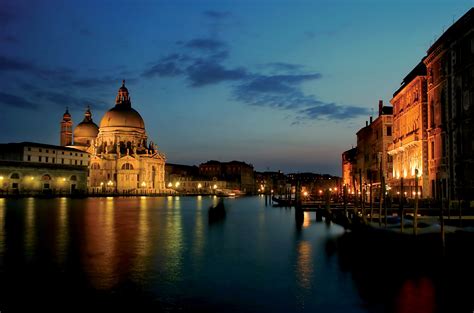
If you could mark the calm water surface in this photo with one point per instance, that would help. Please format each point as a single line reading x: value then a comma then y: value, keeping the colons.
x: 162, y: 254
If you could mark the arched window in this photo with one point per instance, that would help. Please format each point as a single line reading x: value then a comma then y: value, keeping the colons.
x: 15, y: 176
x: 95, y: 166
x: 73, y: 178
x: 127, y: 166
x: 46, y: 177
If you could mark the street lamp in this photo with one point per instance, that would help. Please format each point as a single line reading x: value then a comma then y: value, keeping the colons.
x: 170, y: 184
x: 143, y: 184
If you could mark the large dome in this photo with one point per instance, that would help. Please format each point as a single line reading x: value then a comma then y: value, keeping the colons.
x: 122, y: 116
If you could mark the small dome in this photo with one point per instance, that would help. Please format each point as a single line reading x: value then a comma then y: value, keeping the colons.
x: 86, y: 129
x: 121, y: 116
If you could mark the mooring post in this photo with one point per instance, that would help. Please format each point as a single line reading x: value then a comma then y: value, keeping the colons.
x: 344, y: 199
x: 415, y: 217
x: 364, y: 217
x: 401, y: 205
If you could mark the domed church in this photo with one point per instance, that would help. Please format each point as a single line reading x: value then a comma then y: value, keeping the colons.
x: 121, y: 159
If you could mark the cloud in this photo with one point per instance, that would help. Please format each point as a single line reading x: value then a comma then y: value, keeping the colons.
x: 16, y: 101
x: 217, y: 15
x: 285, y: 67
x: 205, y: 44
x: 332, y: 111
x: 207, y: 72
x: 64, y: 99
x: 11, y: 64
x: 9, y: 39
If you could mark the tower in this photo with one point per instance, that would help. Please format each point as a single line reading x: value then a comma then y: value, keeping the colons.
x: 66, y: 129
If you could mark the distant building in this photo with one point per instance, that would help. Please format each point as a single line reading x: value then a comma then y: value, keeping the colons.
x: 349, y: 169
x: 372, y: 152
x: 34, y: 168
x: 267, y: 181
x: 122, y: 159
x: 409, y: 147
x: 315, y: 184
x: 238, y: 175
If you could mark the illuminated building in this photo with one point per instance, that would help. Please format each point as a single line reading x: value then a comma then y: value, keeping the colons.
x: 409, y: 147
x: 122, y: 160
x: 29, y: 168
x: 349, y: 168
x: 238, y: 175
x: 372, y: 152
x: 450, y: 71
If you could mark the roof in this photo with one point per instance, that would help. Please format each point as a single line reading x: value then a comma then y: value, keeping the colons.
x: 464, y: 23
x: 418, y: 70
x: 37, y: 144
x: 53, y: 166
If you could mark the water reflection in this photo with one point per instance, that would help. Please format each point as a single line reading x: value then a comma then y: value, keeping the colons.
x: 143, y: 243
x: 62, y: 237
x: 30, y: 229
x: 2, y: 228
x: 304, y: 264
x: 198, y: 240
x: 172, y: 242
x: 100, y: 259
x: 416, y: 296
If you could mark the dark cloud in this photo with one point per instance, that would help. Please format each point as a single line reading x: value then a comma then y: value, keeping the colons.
x: 217, y: 15
x: 285, y: 67
x: 332, y: 111
x: 16, y: 101
x: 204, y: 44
x: 64, y: 99
x: 11, y: 64
x: 9, y: 39
x: 163, y: 69
x: 206, y: 73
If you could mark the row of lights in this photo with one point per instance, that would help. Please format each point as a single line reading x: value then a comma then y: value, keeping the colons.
x: 32, y: 178
x: 170, y: 185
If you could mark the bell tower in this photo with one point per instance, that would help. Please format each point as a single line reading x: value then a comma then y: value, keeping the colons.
x: 66, y: 129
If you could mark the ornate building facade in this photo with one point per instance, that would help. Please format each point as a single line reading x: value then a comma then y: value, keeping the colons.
x: 409, y: 147
x: 122, y: 160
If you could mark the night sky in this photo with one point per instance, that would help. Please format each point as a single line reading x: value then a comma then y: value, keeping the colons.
x: 283, y: 85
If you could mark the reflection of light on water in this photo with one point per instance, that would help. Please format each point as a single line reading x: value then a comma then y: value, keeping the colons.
x: 143, y: 243
x: 2, y: 226
x: 306, y: 220
x: 63, y: 235
x: 198, y: 243
x: 417, y: 296
x: 173, y: 243
x: 199, y: 198
x: 100, y: 257
x: 30, y: 238
x: 304, y: 265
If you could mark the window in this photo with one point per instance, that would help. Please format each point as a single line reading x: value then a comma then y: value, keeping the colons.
x: 29, y: 148
x: 40, y: 150
x: 127, y: 166
x: 39, y: 159
x: 389, y: 130
x: 73, y: 178
x: 14, y: 185
x: 46, y: 177
x: 52, y: 152
x: 432, y: 115
x: 75, y: 162
x: 432, y: 150
x: 62, y: 161
x: 54, y: 159
x: 76, y: 154
x: 29, y: 158
x: 46, y: 159
x: 81, y: 162
x: 62, y: 152
x: 95, y: 166
x: 70, y: 153
x: 15, y: 176
x: 47, y: 151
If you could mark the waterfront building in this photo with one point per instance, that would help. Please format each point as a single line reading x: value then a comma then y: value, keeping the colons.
x: 30, y: 168
x: 122, y: 159
x: 450, y: 71
x: 269, y: 181
x: 409, y: 147
x: 237, y: 175
x: 349, y: 169
x: 372, y: 156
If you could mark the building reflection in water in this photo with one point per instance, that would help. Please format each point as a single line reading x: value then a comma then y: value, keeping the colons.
x: 2, y: 228
x: 30, y: 229
x: 62, y: 236
x: 417, y: 296
x: 143, y: 244
x: 99, y: 258
x: 306, y: 220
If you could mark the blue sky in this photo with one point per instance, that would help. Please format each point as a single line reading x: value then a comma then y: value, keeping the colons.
x: 283, y: 85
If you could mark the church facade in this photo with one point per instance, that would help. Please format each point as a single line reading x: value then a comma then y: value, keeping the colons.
x: 122, y: 160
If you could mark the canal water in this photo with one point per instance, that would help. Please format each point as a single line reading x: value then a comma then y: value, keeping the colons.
x: 162, y: 254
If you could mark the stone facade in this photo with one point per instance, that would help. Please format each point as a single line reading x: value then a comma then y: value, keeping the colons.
x: 238, y: 175
x: 349, y: 169
x: 409, y: 147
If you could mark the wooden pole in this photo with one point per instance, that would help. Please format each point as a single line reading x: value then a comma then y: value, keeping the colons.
x: 354, y: 190
x: 361, y: 196
x: 371, y: 197
x: 415, y: 217
x: 401, y: 205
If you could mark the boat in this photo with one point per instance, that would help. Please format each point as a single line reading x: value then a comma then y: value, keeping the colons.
x: 283, y: 202
x: 217, y: 212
